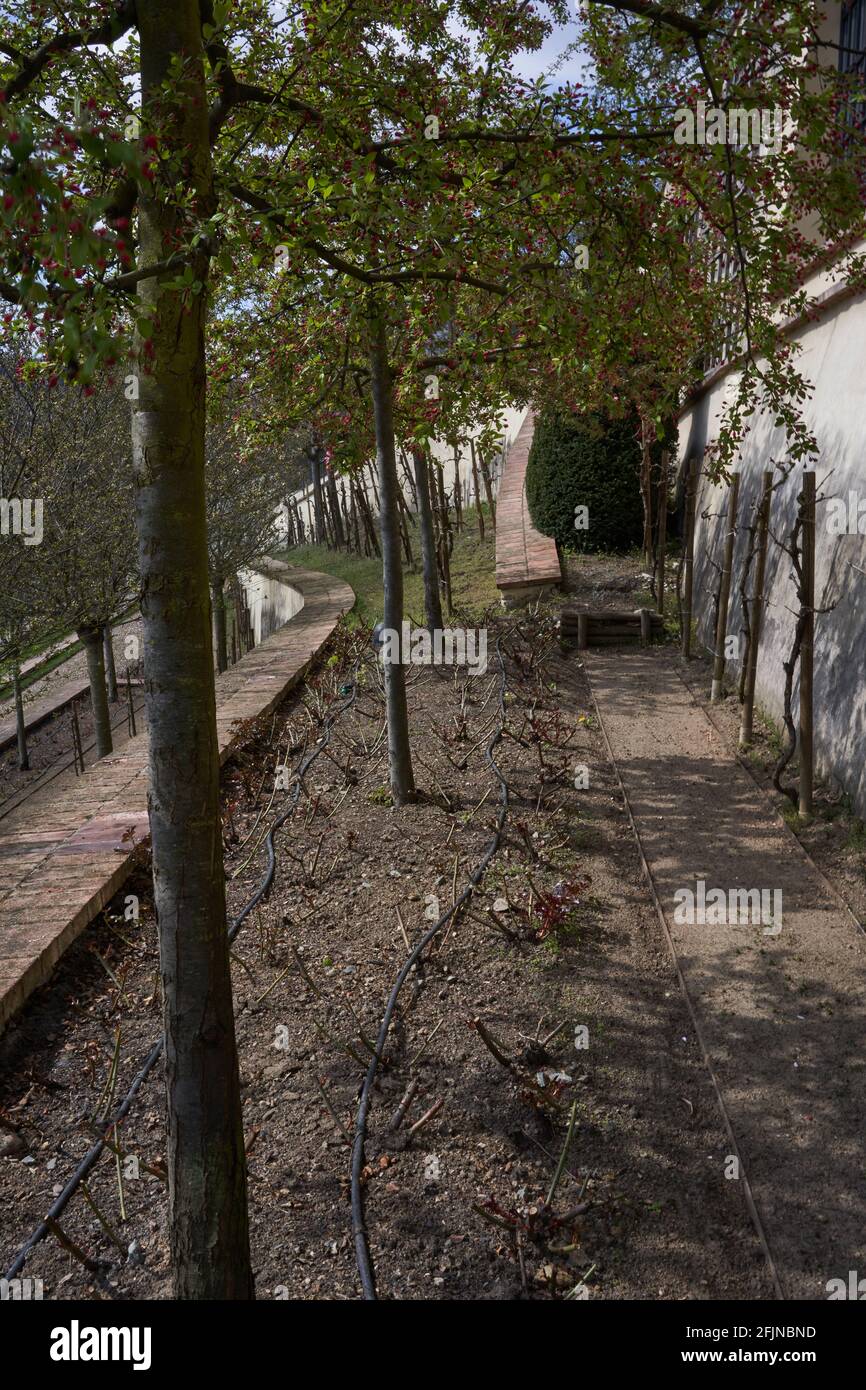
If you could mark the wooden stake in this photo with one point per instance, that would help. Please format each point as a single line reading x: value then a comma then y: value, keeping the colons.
x: 757, y: 613
x: 663, y: 532
x: 807, y: 645
x: 130, y: 707
x: 77, y: 751
x: 691, y: 507
x: 717, y: 692
x: 488, y: 487
x: 646, y: 494
x: 20, y: 723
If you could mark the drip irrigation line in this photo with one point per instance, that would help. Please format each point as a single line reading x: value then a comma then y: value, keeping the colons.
x: 91, y: 1158
x: 362, y: 1249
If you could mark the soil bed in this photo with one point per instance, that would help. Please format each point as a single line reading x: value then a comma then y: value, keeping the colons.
x: 559, y: 944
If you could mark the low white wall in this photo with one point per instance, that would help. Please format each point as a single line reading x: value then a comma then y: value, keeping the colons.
x: 272, y: 601
x: 512, y: 418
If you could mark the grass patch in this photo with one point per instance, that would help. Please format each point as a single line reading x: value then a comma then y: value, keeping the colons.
x: 473, y: 573
x: 52, y: 662
x: 855, y: 840
x: 44, y: 667
x: 792, y: 818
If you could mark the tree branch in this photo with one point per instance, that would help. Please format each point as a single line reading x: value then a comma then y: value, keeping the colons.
x: 123, y: 19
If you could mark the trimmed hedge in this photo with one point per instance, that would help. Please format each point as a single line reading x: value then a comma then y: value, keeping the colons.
x: 588, y: 461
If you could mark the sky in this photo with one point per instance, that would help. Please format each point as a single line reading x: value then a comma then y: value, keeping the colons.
x: 574, y: 68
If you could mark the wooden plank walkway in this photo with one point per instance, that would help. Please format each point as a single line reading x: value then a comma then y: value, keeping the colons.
x: 62, y: 858
x: 527, y: 562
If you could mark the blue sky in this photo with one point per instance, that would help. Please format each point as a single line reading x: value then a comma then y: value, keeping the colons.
x: 574, y: 68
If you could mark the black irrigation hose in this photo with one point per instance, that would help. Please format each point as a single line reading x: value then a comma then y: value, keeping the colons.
x: 93, y: 1154
x: 362, y: 1249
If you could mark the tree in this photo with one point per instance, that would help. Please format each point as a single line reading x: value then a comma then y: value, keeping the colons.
x: 91, y: 182
x: 245, y: 486
x: 22, y: 624
x: 72, y: 185
x: 84, y: 569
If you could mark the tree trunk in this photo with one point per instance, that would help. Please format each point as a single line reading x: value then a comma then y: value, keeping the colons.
x: 318, y: 504
x: 432, y: 599
x: 399, y: 752
x: 662, y: 533
x: 375, y: 489
x: 488, y: 487
x: 336, y: 516
x: 458, y: 498
x: 346, y: 517
x: 444, y: 539
x: 694, y: 476
x: 92, y: 639
x: 110, y: 668
x: 409, y: 479
x: 646, y: 494
x: 218, y: 609
x: 20, y: 725
x: 403, y: 512
x: 478, y: 508
x: 353, y: 518
x: 369, y: 523
x: 208, y: 1227
x: 360, y: 512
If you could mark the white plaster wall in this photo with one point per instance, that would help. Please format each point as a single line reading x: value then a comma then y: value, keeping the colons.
x: 833, y: 359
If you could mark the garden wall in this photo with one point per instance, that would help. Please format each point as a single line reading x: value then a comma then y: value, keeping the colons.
x: 833, y: 358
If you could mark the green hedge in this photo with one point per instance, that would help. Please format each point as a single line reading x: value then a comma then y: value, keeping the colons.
x: 587, y: 461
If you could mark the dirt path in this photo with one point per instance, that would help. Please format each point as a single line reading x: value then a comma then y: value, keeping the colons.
x: 781, y: 1014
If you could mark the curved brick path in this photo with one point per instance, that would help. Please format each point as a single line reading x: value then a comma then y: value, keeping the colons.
x: 527, y: 562
x: 62, y: 858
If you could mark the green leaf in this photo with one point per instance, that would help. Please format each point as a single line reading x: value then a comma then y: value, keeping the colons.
x: 71, y: 334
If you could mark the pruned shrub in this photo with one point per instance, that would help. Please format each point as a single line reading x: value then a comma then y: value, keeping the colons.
x: 590, y: 461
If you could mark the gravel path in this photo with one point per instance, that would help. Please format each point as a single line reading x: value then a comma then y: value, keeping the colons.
x: 780, y: 1011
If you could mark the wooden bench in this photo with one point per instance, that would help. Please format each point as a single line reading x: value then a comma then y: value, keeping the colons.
x: 607, y: 627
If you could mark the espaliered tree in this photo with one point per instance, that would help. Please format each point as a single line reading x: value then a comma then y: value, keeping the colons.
x: 404, y: 239
x: 76, y: 573
x: 71, y: 183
